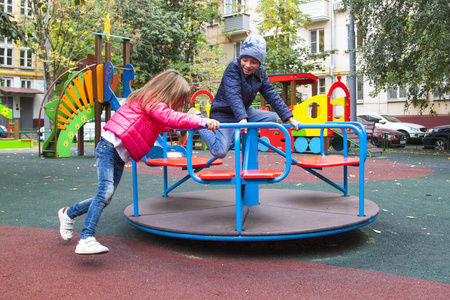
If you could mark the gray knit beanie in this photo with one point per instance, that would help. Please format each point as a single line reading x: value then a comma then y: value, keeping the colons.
x: 254, y: 46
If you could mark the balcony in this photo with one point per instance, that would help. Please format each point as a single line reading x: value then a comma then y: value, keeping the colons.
x: 318, y: 10
x: 236, y: 24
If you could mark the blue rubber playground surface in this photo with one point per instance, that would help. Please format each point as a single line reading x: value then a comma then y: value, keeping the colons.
x: 403, y: 254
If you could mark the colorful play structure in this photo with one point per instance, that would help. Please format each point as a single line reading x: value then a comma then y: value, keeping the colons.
x: 12, y: 140
x: 242, y: 212
x: 86, y: 93
x: 318, y: 109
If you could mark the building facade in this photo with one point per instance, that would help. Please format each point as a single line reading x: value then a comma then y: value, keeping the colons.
x: 329, y: 31
x: 22, y: 87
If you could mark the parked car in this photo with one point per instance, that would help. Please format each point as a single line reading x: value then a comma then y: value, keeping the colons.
x: 437, y: 138
x: 414, y: 132
x: 383, y: 137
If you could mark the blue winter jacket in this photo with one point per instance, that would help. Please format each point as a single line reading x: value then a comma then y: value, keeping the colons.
x: 236, y: 93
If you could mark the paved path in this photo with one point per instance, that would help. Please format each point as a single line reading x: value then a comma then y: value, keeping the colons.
x: 404, y: 254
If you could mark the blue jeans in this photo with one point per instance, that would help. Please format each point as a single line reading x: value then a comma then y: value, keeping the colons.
x: 109, y: 171
x: 219, y: 142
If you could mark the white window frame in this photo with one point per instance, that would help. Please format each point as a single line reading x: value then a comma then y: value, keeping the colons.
x: 396, y: 93
x: 7, y: 7
x: 316, y: 44
x: 26, y: 8
x: 26, y: 83
x: 7, y: 46
x: 321, y: 86
x: 358, y: 38
x: 237, y: 49
x: 359, y: 88
x: 233, y: 7
x: 444, y: 96
x: 7, y: 82
x: 28, y: 60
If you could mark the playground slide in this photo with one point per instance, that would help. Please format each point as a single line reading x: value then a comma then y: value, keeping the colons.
x: 72, y: 113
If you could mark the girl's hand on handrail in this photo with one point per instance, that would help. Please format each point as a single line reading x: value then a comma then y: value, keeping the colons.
x: 212, y: 124
x: 294, y: 122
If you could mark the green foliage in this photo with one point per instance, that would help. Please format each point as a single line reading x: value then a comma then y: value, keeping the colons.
x: 205, y: 68
x: 9, y: 28
x: 158, y: 36
x: 406, y: 43
x: 286, y: 51
x: 168, y: 34
x: 64, y: 32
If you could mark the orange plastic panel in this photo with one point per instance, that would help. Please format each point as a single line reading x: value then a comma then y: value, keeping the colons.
x: 63, y: 120
x: 80, y: 88
x: 261, y: 174
x: 326, y: 161
x: 89, y: 86
x: 74, y: 96
x: 64, y: 110
x: 62, y: 127
x: 181, y: 162
x: 217, y: 174
x: 69, y: 103
x: 100, y: 83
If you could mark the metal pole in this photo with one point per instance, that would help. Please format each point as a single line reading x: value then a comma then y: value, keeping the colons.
x: 352, y: 75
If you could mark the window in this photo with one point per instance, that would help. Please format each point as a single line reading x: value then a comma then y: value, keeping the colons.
x: 237, y: 49
x: 396, y: 92
x: 322, y: 87
x: 6, y: 52
x: 438, y: 94
x: 358, y: 38
x: 26, y: 58
x: 317, y: 40
x: 359, y: 88
x: 7, y: 6
x: 234, y: 6
x: 7, y: 82
x: 26, y: 84
x: 26, y: 8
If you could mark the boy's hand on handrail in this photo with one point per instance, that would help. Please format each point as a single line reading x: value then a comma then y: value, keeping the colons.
x: 294, y: 123
x: 212, y: 124
x: 243, y: 121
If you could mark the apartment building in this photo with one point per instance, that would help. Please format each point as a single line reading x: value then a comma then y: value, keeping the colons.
x: 329, y: 31
x: 22, y: 88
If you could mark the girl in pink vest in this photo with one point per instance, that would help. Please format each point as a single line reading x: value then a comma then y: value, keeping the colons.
x: 130, y: 133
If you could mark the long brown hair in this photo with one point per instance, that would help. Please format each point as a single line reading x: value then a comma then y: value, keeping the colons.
x: 168, y: 87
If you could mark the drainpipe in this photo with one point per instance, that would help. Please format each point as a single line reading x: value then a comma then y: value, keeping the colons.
x: 352, y: 67
x: 332, y: 43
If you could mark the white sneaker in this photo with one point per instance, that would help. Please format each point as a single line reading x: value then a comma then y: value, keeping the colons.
x: 90, y: 246
x: 65, y: 224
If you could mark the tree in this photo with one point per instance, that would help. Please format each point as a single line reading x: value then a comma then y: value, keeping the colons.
x: 281, y: 20
x: 64, y: 32
x: 157, y: 35
x: 10, y: 29
x: 405, y: 43
x: 286, y: 53
x: 170, y: 34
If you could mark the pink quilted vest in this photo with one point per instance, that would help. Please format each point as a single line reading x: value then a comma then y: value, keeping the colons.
x: 139, y: 131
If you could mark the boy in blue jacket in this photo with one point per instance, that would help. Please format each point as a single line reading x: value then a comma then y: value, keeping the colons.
x: 243, y: 78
